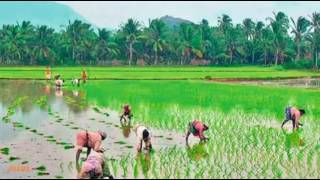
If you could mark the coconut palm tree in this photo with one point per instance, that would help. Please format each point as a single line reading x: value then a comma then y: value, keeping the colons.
x: 266, y: 42
x: 157, y: 30
x: 249, y: 31
x: 43, y: 45
x: 299, y: 29
x: 105, y: 48
x: 279, y: 24
x: 131, y: 29
x: 225, y: 22
x: 12, y: 41
x: 314, y: 36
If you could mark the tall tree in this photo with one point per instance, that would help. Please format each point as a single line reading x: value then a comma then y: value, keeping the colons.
x: 266, y: 42
x: 279, y: 24
x: 314, y: 37
x: 27, y: 33
x: 131, y: 29
x: 299, y: 29
x: 249, y: 31
x: 105, y: 48
x: 43, y: 49
x: 157, y: 30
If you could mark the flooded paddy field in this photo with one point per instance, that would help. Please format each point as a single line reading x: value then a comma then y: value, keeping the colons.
x: 39, y: 125
x: 300, y: 82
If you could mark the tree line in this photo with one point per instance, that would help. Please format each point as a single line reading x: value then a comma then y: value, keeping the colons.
x: 278, y: 40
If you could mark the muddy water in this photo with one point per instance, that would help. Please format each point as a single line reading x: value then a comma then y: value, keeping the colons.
x: 303, y: 82
x: 51, y: 125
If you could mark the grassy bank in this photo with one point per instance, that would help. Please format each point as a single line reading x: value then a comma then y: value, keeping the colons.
x: 156, y: 72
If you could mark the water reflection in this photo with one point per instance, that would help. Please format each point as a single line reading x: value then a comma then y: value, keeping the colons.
x: 47, y: 89
x: 75, y: 93
x: 35, y: 90
x: 126, y: 129
x: 59, y: 92
x: 302, y: 82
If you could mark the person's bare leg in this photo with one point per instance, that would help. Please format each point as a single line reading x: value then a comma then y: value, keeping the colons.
x: 187, y: 138
x: 284, y: 122
x: 121, y: 117
x: 139, y: 146
x: 148, y: 144
x: 294, y: 125
x: 77, y: 157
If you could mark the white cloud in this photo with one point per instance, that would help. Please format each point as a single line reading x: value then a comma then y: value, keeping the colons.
x: 112, y: 13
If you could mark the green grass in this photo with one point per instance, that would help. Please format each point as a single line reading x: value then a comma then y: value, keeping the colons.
x: 245, y: 136
x: 155, y: 72
x: 154, y: 101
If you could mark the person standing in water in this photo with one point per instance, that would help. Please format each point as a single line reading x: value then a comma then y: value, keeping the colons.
x: 143, y: 135
x: 126, y: 115
x: 293, y: 114
x: 48, y: 73
x: 84, y: 76
x: 59, y: 82
x: 196, y: 128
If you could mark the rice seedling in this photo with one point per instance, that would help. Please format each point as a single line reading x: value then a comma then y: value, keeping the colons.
x: 66, y: 147
x: 41, y: 168
x: 114, y: 165
x: 120, y: 142
x: 43, y: 173
x: 13, y: 158
x: 124, y: 166
x: 25, y: 162
x: 5, y: 151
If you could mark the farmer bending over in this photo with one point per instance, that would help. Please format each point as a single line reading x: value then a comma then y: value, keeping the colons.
x: 143, y: 135
x: 293, y: 114
x: 90, y: 140
x: 196, y: 128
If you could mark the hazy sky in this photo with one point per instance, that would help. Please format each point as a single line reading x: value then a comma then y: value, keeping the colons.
x: 112, y: 13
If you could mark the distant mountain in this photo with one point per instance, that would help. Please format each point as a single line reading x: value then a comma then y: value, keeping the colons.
x: 174, y: 22
x: 51, y: 14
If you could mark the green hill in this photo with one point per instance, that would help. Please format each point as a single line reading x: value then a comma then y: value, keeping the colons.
x: 174, y: 22
x: 39, y: 13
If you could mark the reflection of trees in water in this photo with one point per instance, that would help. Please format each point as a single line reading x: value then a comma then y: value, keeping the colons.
x: 11, y: 90
x: 34, y: 90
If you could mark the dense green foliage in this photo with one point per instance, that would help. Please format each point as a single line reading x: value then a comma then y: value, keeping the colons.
x: 261, y: 43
